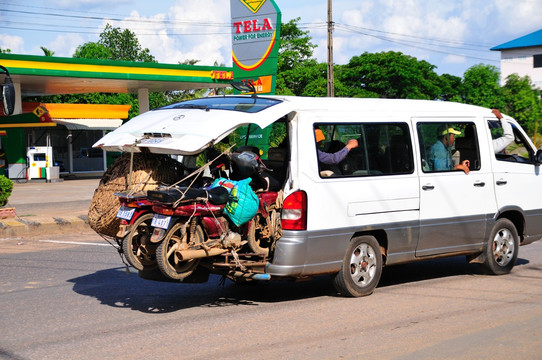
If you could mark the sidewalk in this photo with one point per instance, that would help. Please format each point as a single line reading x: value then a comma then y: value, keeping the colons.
x: 43, y: 208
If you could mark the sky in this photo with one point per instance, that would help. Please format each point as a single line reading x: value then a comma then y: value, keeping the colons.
x: 452, y: 35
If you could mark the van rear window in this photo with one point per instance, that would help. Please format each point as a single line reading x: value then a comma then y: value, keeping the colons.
x: 232, y: 103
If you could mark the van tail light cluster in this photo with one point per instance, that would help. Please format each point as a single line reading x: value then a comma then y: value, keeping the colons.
x: 294, y: 212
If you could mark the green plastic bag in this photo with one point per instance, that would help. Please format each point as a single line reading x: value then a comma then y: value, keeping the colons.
x: 243, y: 202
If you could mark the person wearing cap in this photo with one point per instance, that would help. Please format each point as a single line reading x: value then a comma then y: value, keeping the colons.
x: 507, y: 137
x: 440, y: 158
x: 336, y: 157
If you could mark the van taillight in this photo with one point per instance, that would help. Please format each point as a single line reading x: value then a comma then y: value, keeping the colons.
x: 294, y: 212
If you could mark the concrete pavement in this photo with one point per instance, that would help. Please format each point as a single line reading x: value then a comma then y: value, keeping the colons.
x: 43, y: 208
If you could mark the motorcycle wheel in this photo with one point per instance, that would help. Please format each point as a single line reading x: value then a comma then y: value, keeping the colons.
x: 136, y: 246
x: 168, y: 262
x: 260, y: 235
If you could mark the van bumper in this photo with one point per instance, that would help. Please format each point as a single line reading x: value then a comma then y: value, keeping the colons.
x: 304, y: 253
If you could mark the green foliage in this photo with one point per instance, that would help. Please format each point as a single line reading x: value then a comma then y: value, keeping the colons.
x: 92, y: 50
x: 295, y: 46
x: 46, y: 51
x: 391, y: 75
x: 5, y: 51
x: 6, y: 186
x: 523, y: 102
x: 296, y: 67
x: 481, y: 86
x: 115, y: 44
x: 450, y: 88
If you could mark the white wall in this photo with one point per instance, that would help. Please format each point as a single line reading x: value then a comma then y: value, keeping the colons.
x: 520, y: 61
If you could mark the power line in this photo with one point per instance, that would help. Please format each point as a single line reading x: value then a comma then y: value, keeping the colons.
x: 161, y: 21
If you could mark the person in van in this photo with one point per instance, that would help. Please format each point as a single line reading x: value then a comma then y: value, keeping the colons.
x: 336, y: 157
x: 507, y: 137
x: 440, y: 158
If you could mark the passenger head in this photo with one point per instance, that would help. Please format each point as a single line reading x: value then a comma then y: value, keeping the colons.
x: 447, y: 134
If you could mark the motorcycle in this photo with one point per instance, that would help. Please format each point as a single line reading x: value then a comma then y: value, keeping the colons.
x: 194, y: 233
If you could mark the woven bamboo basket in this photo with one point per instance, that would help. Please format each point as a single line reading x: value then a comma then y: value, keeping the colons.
x: 149, y: 171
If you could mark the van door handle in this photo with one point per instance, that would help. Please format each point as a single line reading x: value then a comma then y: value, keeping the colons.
x: 428, y: 187
x: 480, y: 184
x: 502, y: 182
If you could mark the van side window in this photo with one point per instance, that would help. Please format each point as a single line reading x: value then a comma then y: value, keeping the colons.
x: 382, y: 149
x: 516, y: 151
x: 446, y: 144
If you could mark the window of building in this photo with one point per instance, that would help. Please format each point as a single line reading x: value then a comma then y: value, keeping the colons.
x: 537, y: 61
x: 447, y: 144
x: 383, y: 149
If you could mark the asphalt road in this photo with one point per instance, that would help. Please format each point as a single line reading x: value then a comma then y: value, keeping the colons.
x: 75, y: 301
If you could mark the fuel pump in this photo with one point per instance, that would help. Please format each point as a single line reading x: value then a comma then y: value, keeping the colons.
x: 40, y: 158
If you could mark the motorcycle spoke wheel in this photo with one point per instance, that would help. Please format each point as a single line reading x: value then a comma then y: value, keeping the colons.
x: 137, y: 247
x: 168, y: 262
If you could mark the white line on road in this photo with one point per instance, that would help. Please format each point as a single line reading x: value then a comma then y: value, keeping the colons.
x: 73, y: 242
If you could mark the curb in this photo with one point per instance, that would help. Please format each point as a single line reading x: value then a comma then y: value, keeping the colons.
x: 16, y: 227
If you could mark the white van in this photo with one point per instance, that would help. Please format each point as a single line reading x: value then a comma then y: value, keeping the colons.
x: 386, y: 202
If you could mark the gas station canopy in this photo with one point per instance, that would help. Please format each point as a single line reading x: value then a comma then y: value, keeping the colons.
x: 46, y: 75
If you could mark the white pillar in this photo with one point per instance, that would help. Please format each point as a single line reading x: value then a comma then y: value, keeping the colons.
x: 143, y: 96
x: 18, y: 102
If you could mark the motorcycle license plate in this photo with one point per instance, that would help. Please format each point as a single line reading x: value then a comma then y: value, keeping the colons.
x: 126, y: 213
x: 160, y: 221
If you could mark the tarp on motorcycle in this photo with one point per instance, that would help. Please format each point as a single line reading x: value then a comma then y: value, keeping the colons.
x: 187, y: 128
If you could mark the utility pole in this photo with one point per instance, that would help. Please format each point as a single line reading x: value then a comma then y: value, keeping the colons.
x: 330, y: 82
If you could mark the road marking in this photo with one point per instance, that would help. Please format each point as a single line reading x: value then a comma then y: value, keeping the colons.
x: 73, y: 242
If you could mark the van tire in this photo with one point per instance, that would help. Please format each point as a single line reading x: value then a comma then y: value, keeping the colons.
x: 502, y: 247
x: 361, y: 268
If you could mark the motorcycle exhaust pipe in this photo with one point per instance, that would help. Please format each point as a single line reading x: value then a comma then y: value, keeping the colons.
x: 184, y: 255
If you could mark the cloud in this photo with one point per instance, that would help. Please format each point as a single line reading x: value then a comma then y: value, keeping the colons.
x: 62, y: 45
x: 454, y: 59
x: 185, y: 32
x: 14, y: 43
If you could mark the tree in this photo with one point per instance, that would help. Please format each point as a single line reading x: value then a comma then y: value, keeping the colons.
x: 391, y: 75
x: 295, y: 48
x: 46, y: 51
x: 296, y: 68
x: 481, y: 87
x: 115, y: 44
x: 92, y: 50
x: 523, y: 102
x: 450, y: 88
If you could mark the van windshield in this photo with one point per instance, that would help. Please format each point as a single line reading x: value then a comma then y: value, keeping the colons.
x: 234, y: 103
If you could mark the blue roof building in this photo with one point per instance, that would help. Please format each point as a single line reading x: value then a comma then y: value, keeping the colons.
x: 522, y: 56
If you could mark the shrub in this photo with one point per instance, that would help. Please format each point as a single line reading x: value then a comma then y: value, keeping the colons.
x: 6, y: 186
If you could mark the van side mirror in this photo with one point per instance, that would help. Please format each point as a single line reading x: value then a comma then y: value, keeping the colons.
x: 538, y: 157
x: 8, y: 94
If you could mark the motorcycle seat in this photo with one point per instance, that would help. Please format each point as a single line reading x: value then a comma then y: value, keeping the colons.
x: 216, y: 196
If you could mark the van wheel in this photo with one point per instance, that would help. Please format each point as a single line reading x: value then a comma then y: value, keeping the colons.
x: 501, y: 250
x: 361, y: 268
